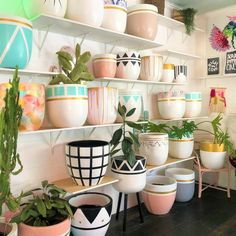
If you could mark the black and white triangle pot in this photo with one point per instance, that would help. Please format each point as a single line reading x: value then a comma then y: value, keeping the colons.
x: 132, y: 179
x: 92, y: 213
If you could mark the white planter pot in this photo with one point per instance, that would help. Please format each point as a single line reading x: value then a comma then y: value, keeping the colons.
x: 151, y: 67
x: 87, y: 161
x: 132, y: 179
x: 168, y: 74
x: 131, y: 99
x: 103, y: 105
x: 50, y: 7
x: 128, y: 65
x: 180, y: 73
x: 213, y: 160
x: 92, y: 213
x: 115, y: 18
x: 86, y: 11
x: 193, y: 104
x: 154, y: 147
x: 181, y: 148
x: 10, y: 229
x: 64, y: 104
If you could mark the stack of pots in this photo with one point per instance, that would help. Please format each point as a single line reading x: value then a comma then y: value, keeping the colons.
x: 193, y: 104
x: 159, y: 194
x: 154, y: 147
x: 171, y: 105
x: 185, y: 183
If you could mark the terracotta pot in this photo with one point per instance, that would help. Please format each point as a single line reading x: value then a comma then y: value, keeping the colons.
x: 132, y: 179
x: 32, y: 100
x: 104, y: 65
x: 142, y: 21
x: 87, y: 161
x: 193, y: 104
x: 92, y: 213
x: 60, y: 229
x: 65, y: 103
x: 10, y: 229
x: 103, y: 105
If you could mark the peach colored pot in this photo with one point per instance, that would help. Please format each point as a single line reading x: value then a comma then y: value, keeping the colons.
x: 60, y: 229
x: 32, y: 100
x: 103, y: 105
x: 142, y: 21
x: 104, y: 65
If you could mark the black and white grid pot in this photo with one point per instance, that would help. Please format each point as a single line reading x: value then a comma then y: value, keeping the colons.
x: 87, y: 161
x: 92, y: 213
x: 132, y: 179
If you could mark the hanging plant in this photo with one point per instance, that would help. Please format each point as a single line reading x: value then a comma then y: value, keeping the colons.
x: 188, y: 19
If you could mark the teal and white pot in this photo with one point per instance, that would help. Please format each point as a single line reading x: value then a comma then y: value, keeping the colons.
x: 16, y: 42
x: 193, y: 104
x: 131, y: 99
x: 67, y: 104
x: 132, y: 179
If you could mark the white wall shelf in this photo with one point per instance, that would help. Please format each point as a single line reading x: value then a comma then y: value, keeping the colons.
x: 98, y: 34
x: 180, y: 119
x: 216, y: 77
x: 174, y: 24
x: 179, y: 54
x: 28, y: 72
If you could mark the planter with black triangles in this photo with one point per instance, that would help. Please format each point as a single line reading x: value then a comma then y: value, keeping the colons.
x: 132, y: 179
x: 92, y: 213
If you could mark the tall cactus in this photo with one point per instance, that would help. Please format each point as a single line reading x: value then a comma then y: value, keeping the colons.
x: 10, y: 117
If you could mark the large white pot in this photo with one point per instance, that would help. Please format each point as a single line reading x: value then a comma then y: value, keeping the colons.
x: 154, y: 147
x: 181, y: 148
x: 10, y: 229
x: 131, y: 99
x: 34, y: 8
x: 86, y: 11
x: 193, y: 104
x: 132, y: 179
x: 64, y: 104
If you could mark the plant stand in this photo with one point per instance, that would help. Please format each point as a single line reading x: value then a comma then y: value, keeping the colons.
x: 125, y: 208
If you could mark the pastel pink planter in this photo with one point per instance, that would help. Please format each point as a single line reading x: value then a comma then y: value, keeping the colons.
x: 32, y: 101
x: 159, y: 194
x: 104, y: 65
x: 103, y: 105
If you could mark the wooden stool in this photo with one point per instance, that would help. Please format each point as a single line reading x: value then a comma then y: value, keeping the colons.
x: 201, y: 170
x: 125, y: 208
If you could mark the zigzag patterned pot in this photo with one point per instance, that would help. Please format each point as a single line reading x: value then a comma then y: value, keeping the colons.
x: 92, y: 213
x: 132, y: 179
x: 87, y: 161
x: 16, y: 42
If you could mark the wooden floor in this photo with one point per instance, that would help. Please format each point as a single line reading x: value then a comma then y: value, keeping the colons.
x: 213, y: 214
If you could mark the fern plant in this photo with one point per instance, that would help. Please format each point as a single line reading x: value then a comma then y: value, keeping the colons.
x: 73, y: 71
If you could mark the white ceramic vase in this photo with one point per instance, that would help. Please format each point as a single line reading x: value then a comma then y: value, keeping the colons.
x: 193, y: 104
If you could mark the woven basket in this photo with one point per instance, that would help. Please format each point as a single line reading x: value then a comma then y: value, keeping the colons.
x: 176, y: 15
x: 160, y: 4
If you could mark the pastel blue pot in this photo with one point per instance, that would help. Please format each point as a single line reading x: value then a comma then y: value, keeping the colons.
x: 15, y: 42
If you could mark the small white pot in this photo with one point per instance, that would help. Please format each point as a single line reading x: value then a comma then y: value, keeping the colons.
x: 154, y: 146
x: 115, y: 18
x: 168, y: 74
x: 181, y: 148
x: 128, y: 65
x: 86, y: 11
x: 193, y: 104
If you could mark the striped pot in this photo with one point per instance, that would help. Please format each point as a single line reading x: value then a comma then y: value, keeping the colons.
x: 193, y: 104
x: 16, y: 42
x: 92, y: 213
x: 132, y: 179
x: 103, y: 105
x: 87, y: 161
x: 50, y: 7
x: 32, y: 101
x: 67, y: 104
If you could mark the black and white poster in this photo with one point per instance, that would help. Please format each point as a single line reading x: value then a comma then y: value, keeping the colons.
x: 230, y: 63
x: 213, y: 66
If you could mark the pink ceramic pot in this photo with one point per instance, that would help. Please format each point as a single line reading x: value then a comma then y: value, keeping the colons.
x: 142, y: 21
x: 32, y: 100
x: 103, y: 105
x: 62, y: 228
x: 159, y: 194
x: 104, y: 65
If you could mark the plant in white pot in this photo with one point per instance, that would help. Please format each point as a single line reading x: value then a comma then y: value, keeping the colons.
x: 129, y: 168
x: 66, y: 95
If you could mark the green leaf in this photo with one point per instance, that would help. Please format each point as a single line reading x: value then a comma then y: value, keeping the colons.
x: 61, y: 78
x: 132, y: 125
x: 77, y: 51
x: 41, y: 206
x: 121, y: 110
x: 114, y: 152
x: 126, y: 146
x: 85, y: 57
x: 116, y: 136
x: 66, y: 65
x: 44, y: 183
x: 131, y: 158
x: 131, y: 112
x: 135, y: 138
x: 67, y: 56
x: 86, y: 76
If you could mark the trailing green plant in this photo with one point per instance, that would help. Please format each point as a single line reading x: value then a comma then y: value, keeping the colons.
x: 188, y: 18
x: 123, y: 139
x: 10, y: 117
x: 73, y: 71
x: 46, y: 209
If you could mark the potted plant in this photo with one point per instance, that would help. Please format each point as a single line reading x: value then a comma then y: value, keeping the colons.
x: 66, y: 95
x: 10, y: 117
x: 47, y: 213
x: 187, y: 17
x: 129, y: 168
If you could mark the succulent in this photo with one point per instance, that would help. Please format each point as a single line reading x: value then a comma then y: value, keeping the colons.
x: 73, y: 72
